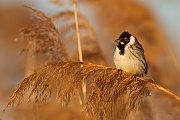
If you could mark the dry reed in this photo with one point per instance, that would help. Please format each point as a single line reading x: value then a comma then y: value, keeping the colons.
x: 43, y: 39
x: 111, y: 88
x: 113, y: 91
x: 66, y: 25
x: 79, y: 51
x: 46, y: 37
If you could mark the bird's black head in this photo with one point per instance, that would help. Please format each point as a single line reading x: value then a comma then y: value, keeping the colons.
x: 124, y: 38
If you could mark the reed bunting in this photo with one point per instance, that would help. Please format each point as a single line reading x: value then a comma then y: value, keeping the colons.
x: 129, y: 55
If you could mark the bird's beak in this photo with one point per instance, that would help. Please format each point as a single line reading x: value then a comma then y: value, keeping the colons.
x: 118, y: 40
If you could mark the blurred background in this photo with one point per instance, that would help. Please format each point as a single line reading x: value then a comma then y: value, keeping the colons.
x: 155, y: 23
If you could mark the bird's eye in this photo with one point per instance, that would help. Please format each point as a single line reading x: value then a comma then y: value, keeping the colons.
x: 126, y: 40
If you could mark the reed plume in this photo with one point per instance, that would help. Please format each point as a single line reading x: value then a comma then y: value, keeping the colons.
x: 113, y: 93
x: 111, y: 88
x: 44, y: 35
x: 66, y: 25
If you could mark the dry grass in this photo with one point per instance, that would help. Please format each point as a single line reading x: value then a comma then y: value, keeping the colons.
x: 111, y: 89
x: 44, y: 36
x: 66, y: 25
x: 113, y: 93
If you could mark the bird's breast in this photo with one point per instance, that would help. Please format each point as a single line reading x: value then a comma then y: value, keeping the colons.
x: 127, y: 62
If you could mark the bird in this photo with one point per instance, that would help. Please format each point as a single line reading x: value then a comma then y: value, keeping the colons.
x: 129, y: 55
